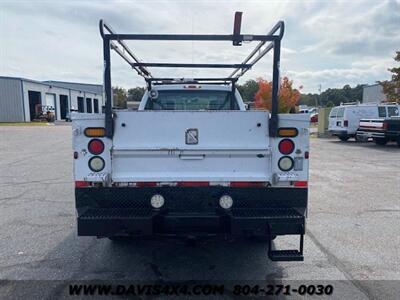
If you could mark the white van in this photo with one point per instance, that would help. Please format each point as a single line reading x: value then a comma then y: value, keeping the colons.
x: 344, y: 119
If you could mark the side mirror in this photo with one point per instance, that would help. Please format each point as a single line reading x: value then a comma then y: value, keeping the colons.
x: 153, y: 94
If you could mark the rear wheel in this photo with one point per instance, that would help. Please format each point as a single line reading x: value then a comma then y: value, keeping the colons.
x: 361, y: 139
x: 343, y: 138
x: 380, y: 141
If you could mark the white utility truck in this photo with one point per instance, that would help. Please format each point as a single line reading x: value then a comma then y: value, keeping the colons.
x: 192, y: 161
x: 344, y: 119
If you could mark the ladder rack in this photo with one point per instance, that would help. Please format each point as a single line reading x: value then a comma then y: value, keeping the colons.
x: 268, y: 42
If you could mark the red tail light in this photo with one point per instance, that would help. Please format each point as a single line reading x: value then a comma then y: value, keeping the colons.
x: 306, y: 155
x: 346, y: 123
x: 301, y: 183
x: 82, y: 183
x: 96, y: 146
x: 385, y: 125
x: 286, y: 146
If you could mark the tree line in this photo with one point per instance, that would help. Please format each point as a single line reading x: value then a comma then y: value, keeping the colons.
x: 249, y: 89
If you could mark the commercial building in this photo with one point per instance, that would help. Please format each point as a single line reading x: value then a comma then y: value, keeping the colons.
x: 21, y: 97
x: 373, y: 94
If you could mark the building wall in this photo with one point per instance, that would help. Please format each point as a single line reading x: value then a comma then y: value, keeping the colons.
x: 373, y: 94
x: 49, y: 89
x: 43, y: 89
x: 92, y: 88
x: 14, y: 98
x: 11, y: 102
x: 76, y: 94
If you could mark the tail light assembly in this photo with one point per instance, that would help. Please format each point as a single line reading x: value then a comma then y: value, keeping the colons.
x: 285, y: 163
x: 96, y: 146
x: 96, y: 164
x: 346, y: 123
x: 286, y: 146
x: 95, y: 132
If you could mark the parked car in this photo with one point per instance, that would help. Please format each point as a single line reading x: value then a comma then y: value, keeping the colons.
x: 344, y: 119
x: 381, y: 130
x: 314, y: 118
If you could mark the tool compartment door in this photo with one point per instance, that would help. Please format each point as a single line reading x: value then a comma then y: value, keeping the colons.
x: 165, y: 146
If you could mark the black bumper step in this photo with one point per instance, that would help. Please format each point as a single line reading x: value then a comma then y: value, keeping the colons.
x: 272, y: 214
x: 285, y: 255
x: 115, y: 213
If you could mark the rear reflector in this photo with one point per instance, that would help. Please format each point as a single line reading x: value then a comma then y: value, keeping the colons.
x: 301, y: 183
x: 287, y: 132
x: 95, y: 132
x: 247, y: 184
x: 82, y: 183
x: 193, y: 183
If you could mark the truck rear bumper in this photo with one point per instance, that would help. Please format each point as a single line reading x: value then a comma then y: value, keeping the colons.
x: 338, y: 132
x: 191, y: 211
x: 370, y: 134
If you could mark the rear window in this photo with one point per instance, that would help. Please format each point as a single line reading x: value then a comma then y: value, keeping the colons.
x: 333, y: 113
x: 382, y: 112
x: 192, y: 100
x: 340, y: 112
x: 393, y: 111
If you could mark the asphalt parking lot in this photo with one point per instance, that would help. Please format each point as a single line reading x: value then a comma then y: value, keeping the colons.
x: 352, y: 235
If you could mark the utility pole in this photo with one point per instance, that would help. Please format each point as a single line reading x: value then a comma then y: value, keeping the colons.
x: 319, y: 96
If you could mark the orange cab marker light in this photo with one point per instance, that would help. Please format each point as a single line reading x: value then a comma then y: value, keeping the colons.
x: 95, y: 132
x: 287, y: 132
x: 82, y: 183
x: 301, y: 183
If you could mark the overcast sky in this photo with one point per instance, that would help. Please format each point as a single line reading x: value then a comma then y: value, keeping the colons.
x: 331, y: 43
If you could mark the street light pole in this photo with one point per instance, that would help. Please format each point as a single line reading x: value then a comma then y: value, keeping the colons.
x: 318, y: 99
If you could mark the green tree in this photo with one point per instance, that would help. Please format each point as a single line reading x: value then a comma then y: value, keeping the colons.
x: 248, y: 90
x: 136, y: 94
x: 391, y: 88
x: 119, y: 97
x: 334, y: 96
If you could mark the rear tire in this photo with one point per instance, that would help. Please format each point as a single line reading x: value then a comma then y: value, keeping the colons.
x: 380, y: 141
x: 343, y: 138
x: 361, y: 139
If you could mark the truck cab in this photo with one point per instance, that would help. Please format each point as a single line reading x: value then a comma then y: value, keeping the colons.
x: 191, y: 96
x: 192, y: 161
